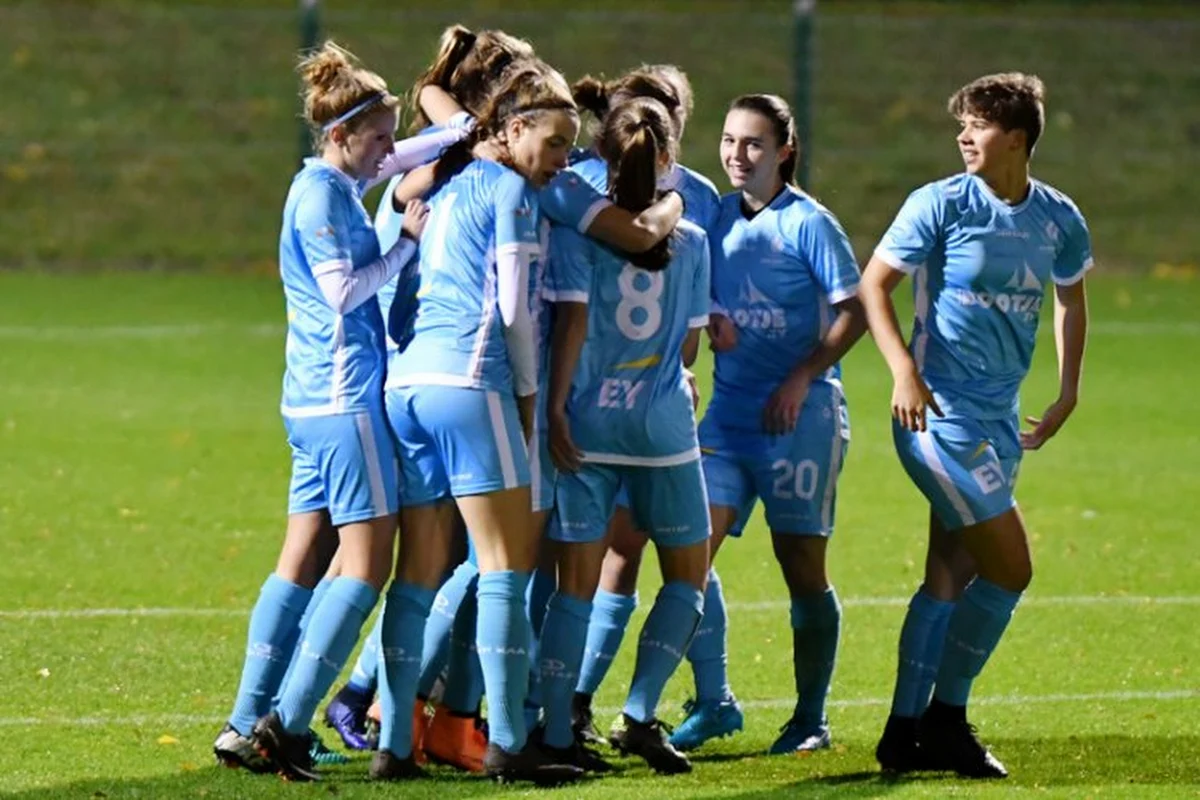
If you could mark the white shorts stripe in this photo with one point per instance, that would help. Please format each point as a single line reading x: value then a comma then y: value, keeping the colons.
x: 366, y: 435
x: 508, y: 467
x: 934, y: 462
x: 835, y: 461
x: 535, y: 468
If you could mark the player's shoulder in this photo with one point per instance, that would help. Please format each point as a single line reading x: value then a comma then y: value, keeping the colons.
x: 319, y: 177
x: 700, y: 183
x: 690, y: 235
x: 1055, y: 201
x: 797, y: 209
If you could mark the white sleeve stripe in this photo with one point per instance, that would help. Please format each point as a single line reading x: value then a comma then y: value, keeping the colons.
x: 1077, y: 277
x: 590, y: 215
x: 334, y: 265
x: 698, y: 322
x: 565, y: 296
x: 895, y: 262
x: 842, y: 294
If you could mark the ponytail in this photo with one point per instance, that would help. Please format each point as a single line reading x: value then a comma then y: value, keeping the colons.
x: 635, y: 136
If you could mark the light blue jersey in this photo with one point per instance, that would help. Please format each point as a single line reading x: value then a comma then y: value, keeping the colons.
x: 778, y: 276
x: 568, y: 197
x: 388, y: 224
x: 980, y: 269
x: 458, y: 337
x: 572, y: 200
x: 335, y: 362
x: 629, y: 401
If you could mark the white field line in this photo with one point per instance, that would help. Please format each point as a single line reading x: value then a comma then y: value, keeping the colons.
x: 767, y: 605
x: 82, y: 333
x: 169, y: 720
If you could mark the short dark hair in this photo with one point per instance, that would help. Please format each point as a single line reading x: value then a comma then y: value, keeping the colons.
x: 1012, y: 100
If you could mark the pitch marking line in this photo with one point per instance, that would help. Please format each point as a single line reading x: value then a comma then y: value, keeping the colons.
x: 748, y: 607
x: 161, y: 720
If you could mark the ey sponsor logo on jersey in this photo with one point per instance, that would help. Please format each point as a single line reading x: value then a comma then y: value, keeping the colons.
x: 1024, y: 300
x: 757, y: 312
x: 619, y: 393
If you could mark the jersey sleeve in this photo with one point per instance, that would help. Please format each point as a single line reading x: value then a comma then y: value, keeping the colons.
x: 1074, y: 257
x: 570, y: 200
x: 569, y: 272
x: 516, y: 213
x: 700, y: 302
x: 830, y: 257
x: 322, y: 225
x: 915, y: 231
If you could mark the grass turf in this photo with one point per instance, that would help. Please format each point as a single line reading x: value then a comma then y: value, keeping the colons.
x: 144, y: 466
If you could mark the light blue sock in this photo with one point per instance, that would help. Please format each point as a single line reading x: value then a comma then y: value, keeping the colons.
x: 464, y: 678
x: 816, y: 626
x: 975, y: 628
x: 665, y: 638
x: 708, y: 650
x: 327, y: 644
x: 438, y: 628
x: 606, y: 629
x: 502, y: 639
x: 561, y: 652
x: 274, y: 630
x: 921, y: 641
x: 404, y: 613
x: 313, y: 601
x: 365, y: 675
x: 541, y: 587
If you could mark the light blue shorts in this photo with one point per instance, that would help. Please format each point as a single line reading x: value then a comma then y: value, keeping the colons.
x: 345, y: 463
x: 456, y: 442
x: 795, y: 474
x: 543, y: 475
x: 669, y: 504
x: 966, y: 468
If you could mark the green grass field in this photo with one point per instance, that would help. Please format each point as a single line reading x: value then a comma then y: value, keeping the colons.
x: 142, y: 491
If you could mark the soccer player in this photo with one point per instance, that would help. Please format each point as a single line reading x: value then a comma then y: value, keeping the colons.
x: 343, y: 459
x: 777, y: 427
x: 981, y: 247
x: 620, y: 415
x: 460, y: 399
x: 616, y: 597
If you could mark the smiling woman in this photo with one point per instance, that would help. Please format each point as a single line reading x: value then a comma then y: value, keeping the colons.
x: 343, y: 484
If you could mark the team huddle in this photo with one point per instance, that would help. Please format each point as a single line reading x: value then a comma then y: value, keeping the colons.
x: 491, y: 372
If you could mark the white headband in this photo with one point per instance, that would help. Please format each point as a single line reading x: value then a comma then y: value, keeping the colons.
x: 370, y: 101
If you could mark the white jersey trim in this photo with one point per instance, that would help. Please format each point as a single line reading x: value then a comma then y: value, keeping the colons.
x: 333, y: 265
x: 896, y: 262
x: 842, y: 294
x: 698, y: 322
x: 568, y: 296
x: 1078, y: 276
x: 590, y: 215
x: 620, y: 459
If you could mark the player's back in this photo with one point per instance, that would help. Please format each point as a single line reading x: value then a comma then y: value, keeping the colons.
x: 334, y: 361
x: 629, y: 401
x: 457, y: 337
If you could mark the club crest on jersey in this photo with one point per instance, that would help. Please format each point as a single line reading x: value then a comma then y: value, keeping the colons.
x: 755, y: 311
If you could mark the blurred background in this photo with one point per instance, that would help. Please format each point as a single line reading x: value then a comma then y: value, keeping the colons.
x: 163, y: 134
